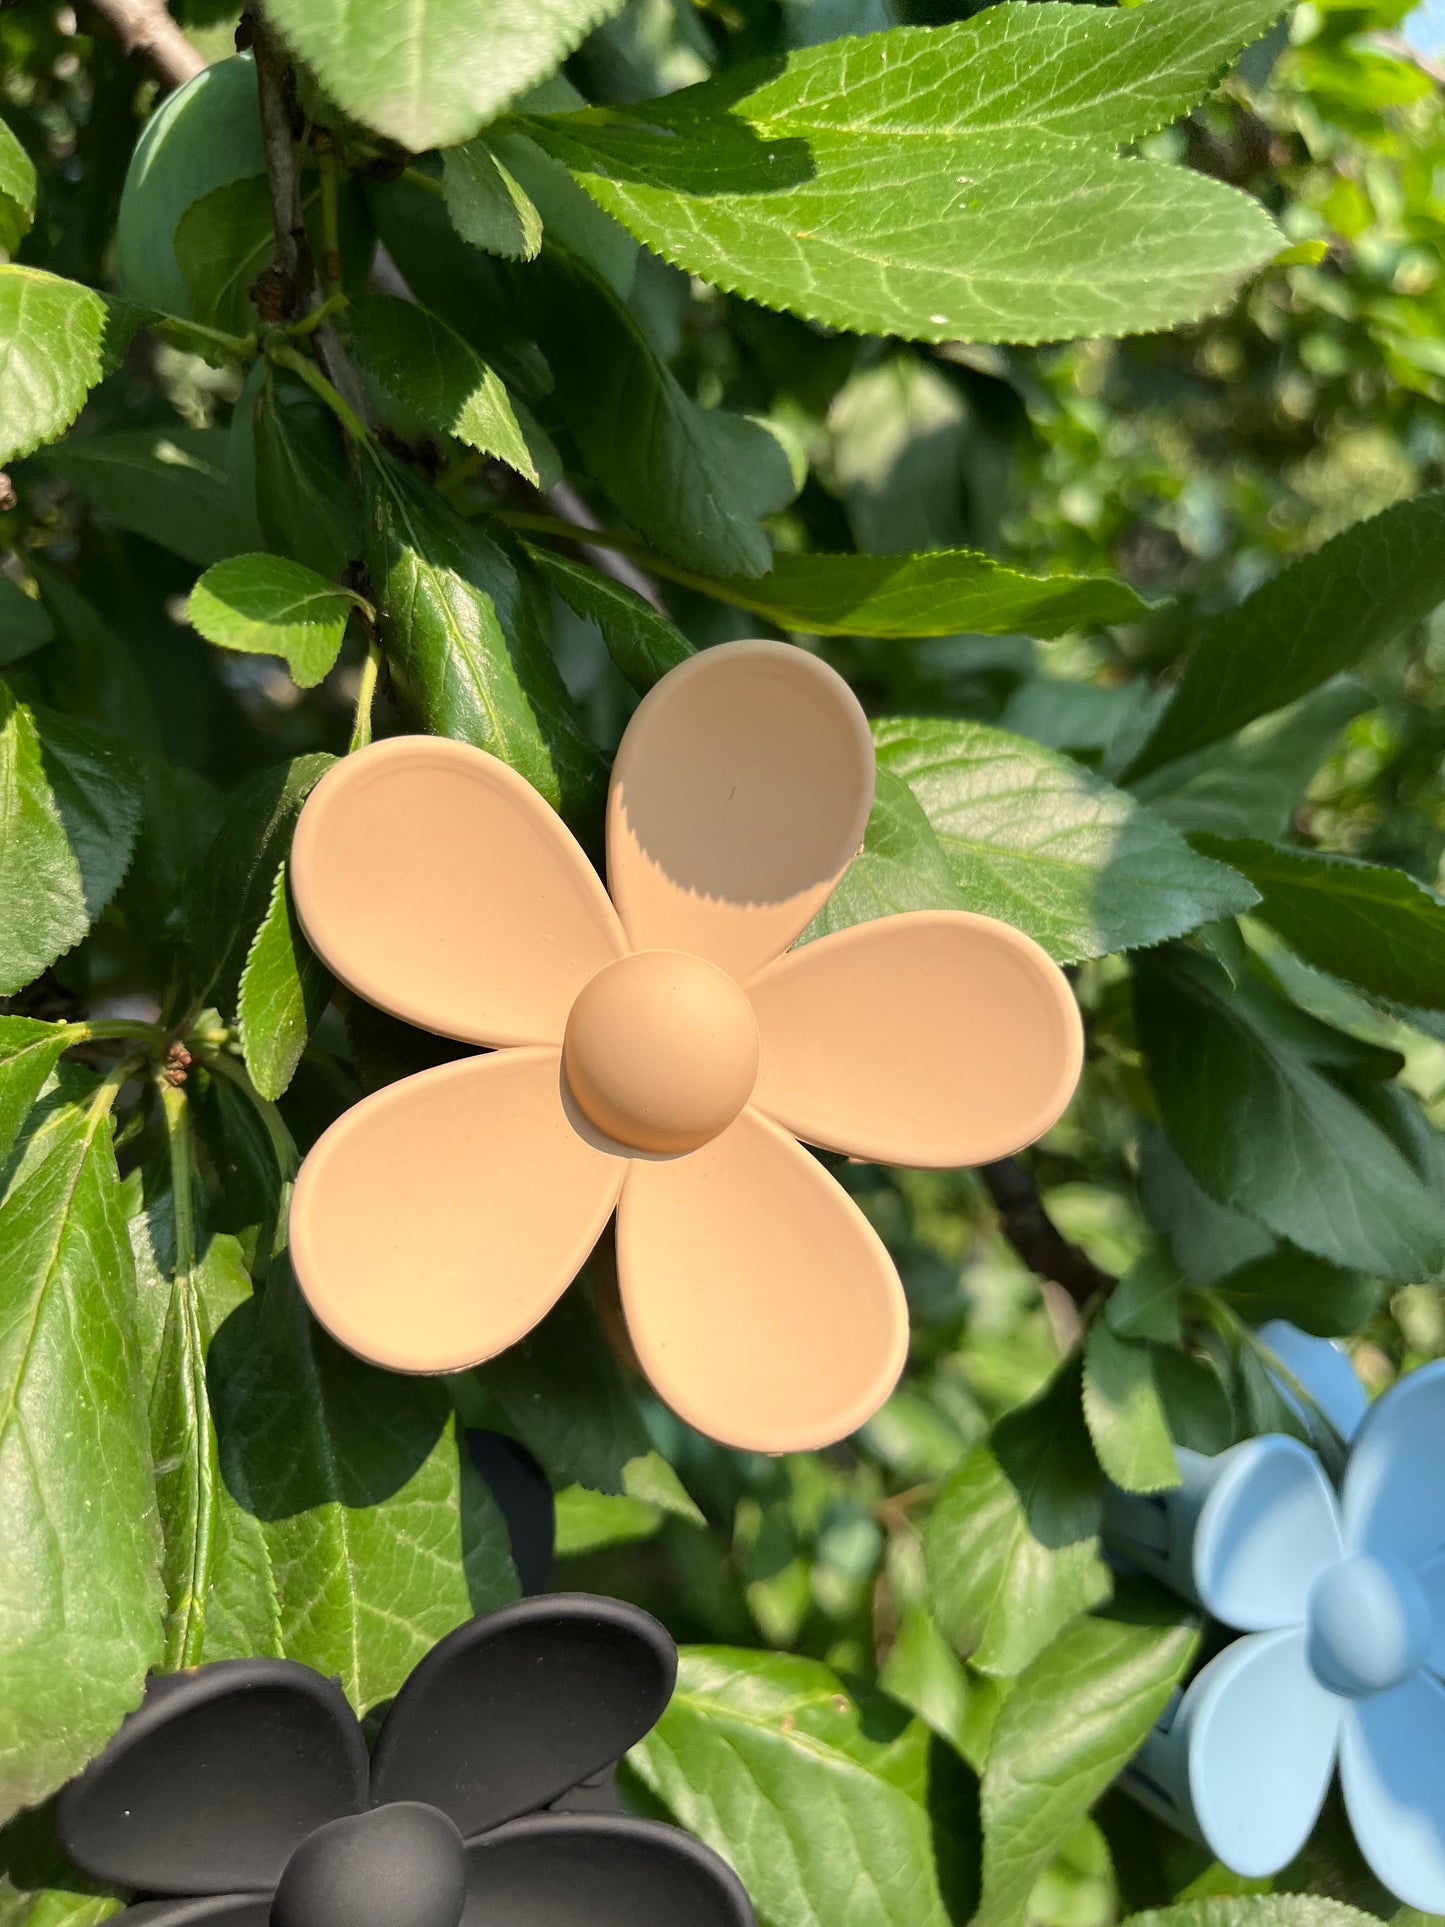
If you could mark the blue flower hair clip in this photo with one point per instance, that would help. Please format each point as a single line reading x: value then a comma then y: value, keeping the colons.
x: 1340, y: 1597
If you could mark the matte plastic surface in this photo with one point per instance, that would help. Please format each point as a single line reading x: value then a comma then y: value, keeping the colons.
x: 438, y: 884
x: 739, y: 796
x: 441, y: 1218
x: 401, y: 1866
x: 599, y: 1871
x: 261, y: 1765
x: 666, y: 1054
x: 510, y: 1711
x: 1343, y: 1608
x: 762, y: 1304
x: 904, y: 1087
x: 216, y: 1780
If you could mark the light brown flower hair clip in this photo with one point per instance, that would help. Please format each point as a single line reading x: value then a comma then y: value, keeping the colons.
x: 658, y: 1055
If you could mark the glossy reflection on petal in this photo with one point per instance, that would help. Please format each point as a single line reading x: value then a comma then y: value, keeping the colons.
x: 436, y: 882
x: 438, y: 1220
x: 932, y: 1038
x: 740, y: 795
x: 760, y: 1301
x: 1391, y: 1751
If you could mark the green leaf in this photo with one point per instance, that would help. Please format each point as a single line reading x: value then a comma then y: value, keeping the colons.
x: 171, y: 485
x: 465, y: 640
x: 17, y: 190
x: 640, y: 640
x: 488, y: 205
x: 254, y: 840
x: 1012, y: 1542
x: 651, y: 1493
x: 219, y: 1586
x: 222, y: 242
x: 427, y: 75
x: 1374, y: 926
x: 1310, y: 1292
x: 815, y: 1796
x: 381, y: 1535
x: 1206, y: 1237
x: 1245, y: 1094
x: 1043, y: 843
x: 564, y: 1395
x: 1251, y: 784
x: 24, y: 625
x: 587, y: 1520
x: 29, y: 1052
x: 1315, y: 618
x: 683, y: 476
x: 284, y: 989
x: 52, y: 338
x: 829, y: 184
x: 293, y: 476
x: 266, y: 605
x: 937, y: 594
x: 1145, y: 1302
x: 80, y: 1595
x: 70, y: 805
x: 94, y: 668
x: 437, y: 375
x: 1075, y: 1717
x: 1124, y: 1413
x: 1257, y: 1910
x: 900, y: 867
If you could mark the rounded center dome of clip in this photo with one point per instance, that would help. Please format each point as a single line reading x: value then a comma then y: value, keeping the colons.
x: 401, y: 1865
x: 661, y: 1050
x: 1369, y: 1626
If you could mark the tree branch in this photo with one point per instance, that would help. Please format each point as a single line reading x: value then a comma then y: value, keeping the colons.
x: 284, y: 291
x: 1034, y: 1235
x: 145, y: 29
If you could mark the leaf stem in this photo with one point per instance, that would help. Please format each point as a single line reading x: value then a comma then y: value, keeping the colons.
x: 318, y: 317
x: 152, y: 1034
x: 283, y: 1145
x: 366, y: 693
x: 178, y: 1140
x: 197, y: 335
x: 585, y: 537
x: 414, y: 177
x: 330, y: 165
x: 281, y: 352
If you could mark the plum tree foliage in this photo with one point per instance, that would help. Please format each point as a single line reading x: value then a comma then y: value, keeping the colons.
x: 1070, y: 376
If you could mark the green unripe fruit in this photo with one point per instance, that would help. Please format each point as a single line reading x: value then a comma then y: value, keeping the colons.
x: 204, y: 137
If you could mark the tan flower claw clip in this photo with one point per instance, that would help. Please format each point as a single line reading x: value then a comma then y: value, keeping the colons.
x: 659, y: 1059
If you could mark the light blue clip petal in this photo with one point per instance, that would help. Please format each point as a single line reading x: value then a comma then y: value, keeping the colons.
x: 1244, y: 1760
x: 1244, y: 1534
x: 1269, y: 1529
x: 1323, y: 1369
x: 1393, y: 1499
x: 1392, y: 1766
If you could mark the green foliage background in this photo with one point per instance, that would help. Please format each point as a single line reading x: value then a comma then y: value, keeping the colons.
x: 1146, y: 618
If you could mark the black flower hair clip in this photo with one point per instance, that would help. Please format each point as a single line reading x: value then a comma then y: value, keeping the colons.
x: 242, y: 1794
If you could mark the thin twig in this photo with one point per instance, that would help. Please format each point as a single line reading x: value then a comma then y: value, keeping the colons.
x: 284, y: 290
x: 146, y: 30
x: 1034, y: 1235
x: 289, y: 288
